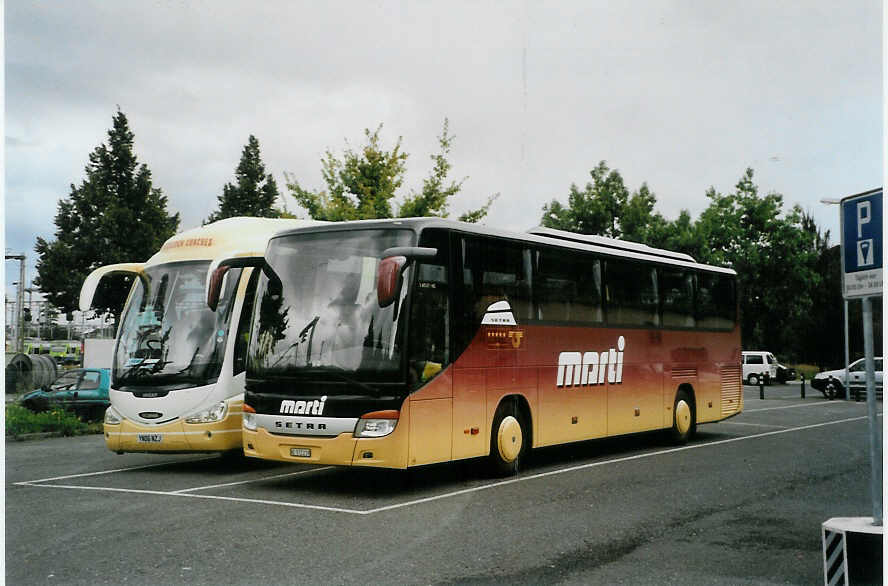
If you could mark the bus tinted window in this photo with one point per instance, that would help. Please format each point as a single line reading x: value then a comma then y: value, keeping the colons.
x: 632, y: 298
x: 677, y: 292
x: 496, y: 270
x: 567, y: 287
x: 716, y: 301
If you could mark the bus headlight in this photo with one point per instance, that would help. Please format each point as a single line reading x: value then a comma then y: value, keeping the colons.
x: 112, y: 417
x: 249, y: 418
x: 215, y: 413
x: 376, y: 424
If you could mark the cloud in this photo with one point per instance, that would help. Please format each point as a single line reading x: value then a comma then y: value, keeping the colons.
x: 681, y: 95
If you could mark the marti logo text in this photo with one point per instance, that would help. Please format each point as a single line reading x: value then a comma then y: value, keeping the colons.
x: 303, y: 407
x: 589, y: 368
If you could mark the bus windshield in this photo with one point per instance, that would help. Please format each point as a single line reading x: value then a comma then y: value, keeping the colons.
x: 323, y: 322
x: 169, y: 337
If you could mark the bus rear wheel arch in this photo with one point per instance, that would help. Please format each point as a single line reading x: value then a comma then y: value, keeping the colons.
x: 684, y: 416
x: 510, y: 436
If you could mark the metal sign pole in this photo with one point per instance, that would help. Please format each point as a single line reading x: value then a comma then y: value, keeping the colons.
x: 875, y: 442
x: 860, y: 221
x: 847, y: 353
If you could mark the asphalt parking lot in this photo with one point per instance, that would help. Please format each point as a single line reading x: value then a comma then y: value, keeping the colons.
x: 741, y: 504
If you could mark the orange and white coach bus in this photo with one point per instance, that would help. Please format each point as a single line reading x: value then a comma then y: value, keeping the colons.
x: 177, y: 378
x: 399, y: 343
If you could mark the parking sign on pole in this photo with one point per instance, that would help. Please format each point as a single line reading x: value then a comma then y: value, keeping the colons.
x: 861, y: 226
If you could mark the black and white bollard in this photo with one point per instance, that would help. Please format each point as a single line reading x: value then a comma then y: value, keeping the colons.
x: 852, y: 551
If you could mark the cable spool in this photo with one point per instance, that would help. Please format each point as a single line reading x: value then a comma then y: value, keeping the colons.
x: 25, y: 373
x: 18, y: 373
x: 43, y: 370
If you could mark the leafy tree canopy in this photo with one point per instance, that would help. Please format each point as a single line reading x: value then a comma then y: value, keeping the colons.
x: 780, y: 257
x: 115, y: 215
x: 774, y: 254
x: 254, y: 192
x: 363, y: 184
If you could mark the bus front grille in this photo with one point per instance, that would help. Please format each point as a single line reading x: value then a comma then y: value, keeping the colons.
x: 731, y: 390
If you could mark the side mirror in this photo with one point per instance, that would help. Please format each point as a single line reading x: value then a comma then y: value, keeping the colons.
x: 388, y: 279
x: 91, y: 283
x: 218, y: 268
x: 391, y: 268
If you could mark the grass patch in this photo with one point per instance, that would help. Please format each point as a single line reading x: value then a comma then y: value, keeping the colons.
x: 21, y: 421
x: 809, y: 370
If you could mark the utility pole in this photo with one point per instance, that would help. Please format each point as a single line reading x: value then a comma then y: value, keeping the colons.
x: 34, y: 316
x: 20, y: 303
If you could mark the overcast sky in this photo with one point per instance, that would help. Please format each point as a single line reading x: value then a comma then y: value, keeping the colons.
x: 681, y: 95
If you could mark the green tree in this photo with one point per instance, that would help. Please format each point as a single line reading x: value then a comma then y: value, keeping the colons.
x: 602, y: 207
x: 361, y: 185
x: 605, y: 207
x: 775, y: 258
x: 364, y: 184
x: 255, y: 191
x: 679, y: 235
x: 114, y: 215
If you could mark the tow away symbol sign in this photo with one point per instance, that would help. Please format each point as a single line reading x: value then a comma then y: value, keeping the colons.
x: 862, y: 244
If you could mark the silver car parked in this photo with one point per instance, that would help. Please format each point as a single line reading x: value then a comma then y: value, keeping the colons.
x: 832, y: 383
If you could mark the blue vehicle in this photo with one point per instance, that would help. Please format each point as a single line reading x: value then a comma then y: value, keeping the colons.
x: 82, y: 390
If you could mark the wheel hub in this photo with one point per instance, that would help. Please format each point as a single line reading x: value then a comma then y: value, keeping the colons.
x: 682, y: 417
x: 509, y: 439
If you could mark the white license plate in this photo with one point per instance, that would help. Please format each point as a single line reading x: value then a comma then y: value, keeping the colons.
x: 301, y: 452
x: 150, y: 438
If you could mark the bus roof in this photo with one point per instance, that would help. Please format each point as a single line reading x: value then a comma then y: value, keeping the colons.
x: 546, y: 236
x: 224, y: 237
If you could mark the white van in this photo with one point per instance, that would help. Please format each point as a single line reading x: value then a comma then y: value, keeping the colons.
x: 759, y: 366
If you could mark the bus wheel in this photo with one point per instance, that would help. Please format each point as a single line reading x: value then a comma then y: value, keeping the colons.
x: 683, y: 418
x: 508, y: 439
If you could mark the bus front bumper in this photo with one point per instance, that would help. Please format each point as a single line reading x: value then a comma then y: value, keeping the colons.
x: 343, y: 450
x: 178, y: 436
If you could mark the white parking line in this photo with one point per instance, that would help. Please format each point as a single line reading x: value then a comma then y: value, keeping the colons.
x: 793, y: 406
x: 604, y: 462
x: 300, y: 473
x: 753, y: 424
x: 198, y: 496
x: 69, y: 476
x: 40, y: 483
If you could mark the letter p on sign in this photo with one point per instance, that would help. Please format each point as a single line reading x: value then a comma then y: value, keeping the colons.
x: 864, y: 215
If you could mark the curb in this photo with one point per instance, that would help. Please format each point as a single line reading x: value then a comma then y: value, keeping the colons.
x: 34, y: 436
x: 45, y: 434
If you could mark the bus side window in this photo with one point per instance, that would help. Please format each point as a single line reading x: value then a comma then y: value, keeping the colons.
x: 632, y: 296
x: 716, y: 301
x: 498, y: 271
x: 555, y: 286
x: 567, y: 288
x: 243, y: 325
x: 677, y: 293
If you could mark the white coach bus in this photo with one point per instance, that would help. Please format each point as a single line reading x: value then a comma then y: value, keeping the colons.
x: 178, y: 369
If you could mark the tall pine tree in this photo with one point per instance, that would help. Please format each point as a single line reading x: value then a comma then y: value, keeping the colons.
x: 255, y: 191
x: 115, y: 215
